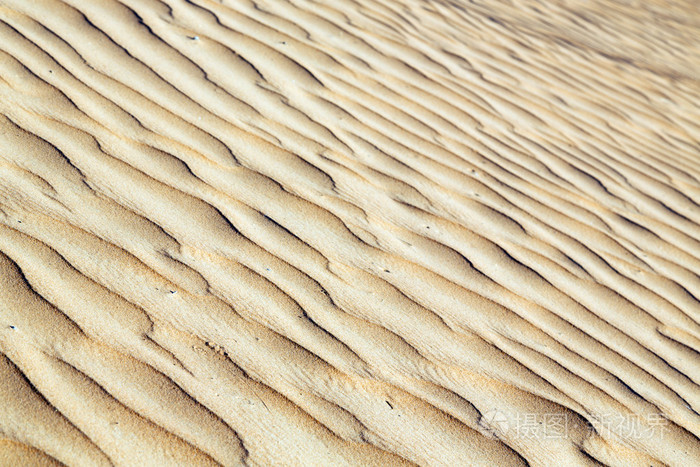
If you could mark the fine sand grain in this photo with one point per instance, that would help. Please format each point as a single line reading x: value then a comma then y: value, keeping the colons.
x: 364, y: 232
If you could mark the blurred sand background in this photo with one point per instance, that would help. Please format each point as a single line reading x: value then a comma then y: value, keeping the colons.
x: 350, y: 232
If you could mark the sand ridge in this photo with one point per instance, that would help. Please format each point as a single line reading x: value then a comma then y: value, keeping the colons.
x: 350, y: 232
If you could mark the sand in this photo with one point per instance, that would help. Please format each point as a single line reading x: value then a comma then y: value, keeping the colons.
x: 350, y: 232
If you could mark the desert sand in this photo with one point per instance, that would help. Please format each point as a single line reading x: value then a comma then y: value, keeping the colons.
x: 350, y: 232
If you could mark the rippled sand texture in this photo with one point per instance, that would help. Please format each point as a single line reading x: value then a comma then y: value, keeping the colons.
x: 349, y: 232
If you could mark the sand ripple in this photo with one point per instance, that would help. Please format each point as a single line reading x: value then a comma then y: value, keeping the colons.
x: 349, y: 232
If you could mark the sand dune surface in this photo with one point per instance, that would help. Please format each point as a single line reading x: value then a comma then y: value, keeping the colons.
x: 349, y: 232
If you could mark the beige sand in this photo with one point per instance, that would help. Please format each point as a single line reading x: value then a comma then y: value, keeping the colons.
x: 364, y: 232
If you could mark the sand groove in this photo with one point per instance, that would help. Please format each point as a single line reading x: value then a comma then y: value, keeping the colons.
x: 349, y: 232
